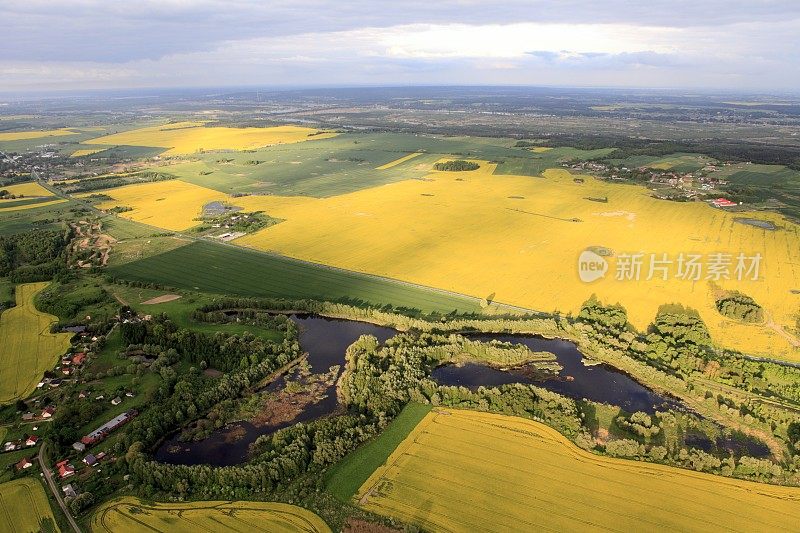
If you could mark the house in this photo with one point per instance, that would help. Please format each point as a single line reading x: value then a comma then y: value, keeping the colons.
x: 116, y: 401
x: 129, y: 394
x: 79, y: 446
x: 100, y: 456
x: 69, y: 491
x: 83, y: 394
x: 24, y: 463
x: 48, y: 412
x: 723, y: 202
x: 27, y: 416
x: 78, y: 359
x: 66, y: 361
x: 66, y: 371
x: 90, y: 460
x: 32, y: 440
x: 55, y: 383
x: 9, y: 446
x: 65, y: 469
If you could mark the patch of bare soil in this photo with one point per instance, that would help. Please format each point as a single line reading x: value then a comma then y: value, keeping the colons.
x: 212, y: 373
x: 356, y: 525
x: 162, y: 299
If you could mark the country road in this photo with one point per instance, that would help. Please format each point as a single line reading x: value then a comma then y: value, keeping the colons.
x: 48, y: 475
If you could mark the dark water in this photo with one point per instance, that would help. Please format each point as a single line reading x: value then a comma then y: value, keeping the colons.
x: 325, y: 340
x: 763, y: 224
x: 737, y: 444
x: 599, y: 383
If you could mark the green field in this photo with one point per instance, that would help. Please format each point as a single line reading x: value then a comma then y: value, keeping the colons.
x: 45, y: 217
x: 679, y: 162
x: 28, y: 347
x: 24, y: 507
x: 528, y: 163
x: 220, y: 269
x: 180, y: 311
x: 345, y: 478
x: 339, y: 165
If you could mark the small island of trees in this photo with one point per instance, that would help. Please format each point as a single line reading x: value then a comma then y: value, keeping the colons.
x: 457, y: 165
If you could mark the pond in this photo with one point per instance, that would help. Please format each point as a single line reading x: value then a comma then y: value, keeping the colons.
x: 599, y: 383
x: 763, y: 224
x: 325, y: 340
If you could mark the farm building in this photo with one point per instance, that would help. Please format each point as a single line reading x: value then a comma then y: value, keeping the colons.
x: 723, y: 202
x: 101, y: 432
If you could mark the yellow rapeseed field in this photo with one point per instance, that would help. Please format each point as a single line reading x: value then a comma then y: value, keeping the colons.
x: 471, y: 471
x: 396, y: 162
x: 172, y: 204
x: 30, y: 188
x: 192, y: 137
x: 25, y: 135
x: 131, y: 515
x: 87, y: 151
x: 28, y: 348
x: 520, y: 237
x: 23, y: 507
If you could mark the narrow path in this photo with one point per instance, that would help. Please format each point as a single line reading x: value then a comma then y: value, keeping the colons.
x: 48, y: 476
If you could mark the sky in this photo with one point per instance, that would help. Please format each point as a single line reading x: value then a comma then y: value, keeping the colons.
x: 95, y: 44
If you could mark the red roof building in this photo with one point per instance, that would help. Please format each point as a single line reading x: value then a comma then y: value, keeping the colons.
x: 24, y: 463
x: 32, y: 440
x: 78, y: 358
x: 65, y: 469
x: 723, y: 202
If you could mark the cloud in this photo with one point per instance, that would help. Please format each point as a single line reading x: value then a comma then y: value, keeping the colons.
x: 213, y: 43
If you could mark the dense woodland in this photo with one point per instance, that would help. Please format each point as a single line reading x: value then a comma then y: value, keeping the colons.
x: 33, y: 255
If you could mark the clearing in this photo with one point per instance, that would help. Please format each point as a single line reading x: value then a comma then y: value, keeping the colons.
x: 473, y: 471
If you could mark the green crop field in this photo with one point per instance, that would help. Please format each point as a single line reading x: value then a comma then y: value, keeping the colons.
x: 35, y: 217
x: 679, y: 162
x: 344, y: 479
x: 221, y: 269
x: 24, y: 507
x: 338, y: 165
x: 28, y: 347
x: 528, y: 163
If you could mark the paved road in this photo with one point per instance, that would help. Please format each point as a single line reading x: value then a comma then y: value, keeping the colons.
x: 48, y: 475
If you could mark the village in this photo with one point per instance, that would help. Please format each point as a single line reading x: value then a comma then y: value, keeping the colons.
x: 703, y: 184
x: 68, y: 381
